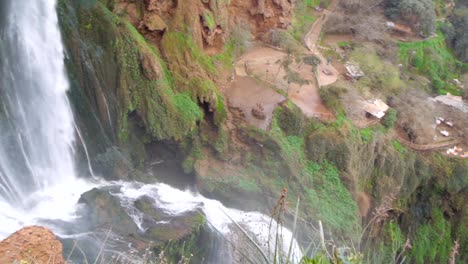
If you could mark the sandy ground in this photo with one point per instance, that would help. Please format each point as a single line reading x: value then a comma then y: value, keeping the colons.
x: 245, y: 92
x: 259, y: 78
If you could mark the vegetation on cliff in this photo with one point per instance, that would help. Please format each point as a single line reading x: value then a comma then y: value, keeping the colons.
x: 166, y: 87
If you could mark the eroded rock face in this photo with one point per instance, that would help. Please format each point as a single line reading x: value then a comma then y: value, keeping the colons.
x: 33, y: 244
x: 261, y: 15
x: 209, y: 21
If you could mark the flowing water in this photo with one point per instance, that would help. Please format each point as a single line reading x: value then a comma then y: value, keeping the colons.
x: 36, y: 121
x: 37, y: 174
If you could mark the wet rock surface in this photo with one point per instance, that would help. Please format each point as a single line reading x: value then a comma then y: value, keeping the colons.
x: 104, y: 210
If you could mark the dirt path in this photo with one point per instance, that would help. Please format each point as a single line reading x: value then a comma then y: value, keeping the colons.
x: 327, y: 74
x: 423, y: 147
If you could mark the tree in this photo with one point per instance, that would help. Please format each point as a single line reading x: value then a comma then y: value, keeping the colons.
x: 456, y: 33
x: 421, y: 14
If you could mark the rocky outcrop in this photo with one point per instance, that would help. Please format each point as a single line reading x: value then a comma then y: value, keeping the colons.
x: 210, y: 21
x: 104, y: 210
x: 33, y: 244
x: 261, y: 15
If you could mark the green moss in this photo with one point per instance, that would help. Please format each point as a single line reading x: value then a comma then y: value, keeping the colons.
x: 179, y: 47
x: 190, y: 246
x: 166, y: 113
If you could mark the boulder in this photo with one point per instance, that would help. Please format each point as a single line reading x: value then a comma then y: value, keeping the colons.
x: 177, y: 228
x: 103, y: 210
x: 161, y: 226
x: 33, y: 244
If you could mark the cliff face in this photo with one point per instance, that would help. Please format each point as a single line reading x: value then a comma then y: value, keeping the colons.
x: 210, y: 22
x: 32, y: 244
x: 141, y: 73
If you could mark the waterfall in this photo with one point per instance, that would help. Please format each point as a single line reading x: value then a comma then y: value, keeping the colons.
x: 35, y: 153
x: 37, y: 177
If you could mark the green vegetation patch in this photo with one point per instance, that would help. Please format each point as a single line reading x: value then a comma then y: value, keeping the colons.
x: 380, y: 75
x: 432, y: 242
x: 433, y: 59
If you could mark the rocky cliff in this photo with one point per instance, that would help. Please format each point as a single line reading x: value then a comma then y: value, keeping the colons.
x: 147, y: 88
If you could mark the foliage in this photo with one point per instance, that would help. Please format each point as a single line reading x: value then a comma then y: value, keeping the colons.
x: 432, y: 58
x: 455, y: 31
x: 240, y: 38
x: 399, y: 147
x: 390, y: 118
x: 290, y: 119
x: 331, y: 97
x: 303, y: 18
x: 432, y: 241
x: 418, y: 13
x: 284, y: 40
x: 380, y: 75
x: 342, y: 216
x: 344, y: 44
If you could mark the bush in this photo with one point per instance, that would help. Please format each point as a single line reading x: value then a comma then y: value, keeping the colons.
x: 356, y: 17
x: 331, y: 96
x: 418, y: 13
x: 390, y: 118
x: 432, y: 241
x: 290, y: 119
x: 456, y: 33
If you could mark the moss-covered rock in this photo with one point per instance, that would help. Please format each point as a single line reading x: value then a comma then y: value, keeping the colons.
x: 105, y: 211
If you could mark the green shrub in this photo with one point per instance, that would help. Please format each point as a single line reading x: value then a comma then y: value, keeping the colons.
x: 414, y: 12
x: 331, y: 97
x: 456, y: 33
x: 432, y: 242
x: 290, y: 119
x: 390, y: 118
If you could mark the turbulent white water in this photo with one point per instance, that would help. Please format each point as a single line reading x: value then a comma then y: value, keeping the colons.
x: 218, y: 216
x: 37, y: 174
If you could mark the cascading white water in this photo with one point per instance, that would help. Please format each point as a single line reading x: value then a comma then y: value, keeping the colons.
x: 176, y: 202
x: 37, y: 177
x: 34, y: 86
